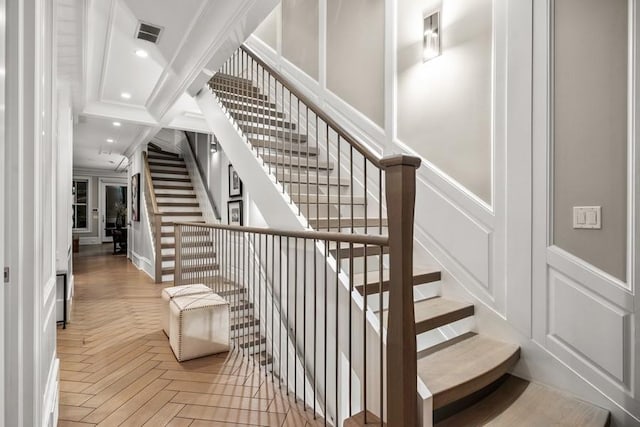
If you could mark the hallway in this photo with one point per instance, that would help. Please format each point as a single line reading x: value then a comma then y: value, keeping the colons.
x: 117, y: 367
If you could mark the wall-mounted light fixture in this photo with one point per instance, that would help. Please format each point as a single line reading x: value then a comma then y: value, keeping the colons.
x: 213, y: 144
x: 432, y: 46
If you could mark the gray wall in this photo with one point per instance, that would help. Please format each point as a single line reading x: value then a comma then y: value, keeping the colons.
x: 300, y: 34
x: 355, y: 54
x: 590, y: 128
x: 267, y: 31
x: 444, y: 105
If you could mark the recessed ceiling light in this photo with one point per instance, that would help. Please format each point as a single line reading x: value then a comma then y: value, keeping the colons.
x: 125, y: 95
x: 117, y: 124
x: 142, y: 53
x: 110, y: 140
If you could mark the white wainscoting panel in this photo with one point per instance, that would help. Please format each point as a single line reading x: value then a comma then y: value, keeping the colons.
x: 588, y: 325
x: 465, y: 240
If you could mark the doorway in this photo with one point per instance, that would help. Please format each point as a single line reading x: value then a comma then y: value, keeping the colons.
x: 113, y: 208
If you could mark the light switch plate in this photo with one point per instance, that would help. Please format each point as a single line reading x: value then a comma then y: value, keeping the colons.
x: 589, y: 217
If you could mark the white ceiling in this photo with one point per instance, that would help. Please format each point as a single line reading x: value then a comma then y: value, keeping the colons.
x: 96, y: 55
x: 91, y: 148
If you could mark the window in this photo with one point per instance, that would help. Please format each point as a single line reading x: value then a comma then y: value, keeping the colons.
x: 80, y: 201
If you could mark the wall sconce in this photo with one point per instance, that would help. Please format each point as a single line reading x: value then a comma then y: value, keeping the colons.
x: 213, y: 144
x: 431, y: 39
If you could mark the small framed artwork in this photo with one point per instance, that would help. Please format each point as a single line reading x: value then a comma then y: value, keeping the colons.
x: 135, y: 197
x: 235, y: 185
x: 234, y: 212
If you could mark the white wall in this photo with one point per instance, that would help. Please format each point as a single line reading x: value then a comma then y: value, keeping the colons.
x: 140, y: 245
x: 268, y: 30
x: 445, y: 105
x: 585, y: 300
x: 355, y: 54
x: 30, y: 226
x: 482, y: 193
x: 300, y: 34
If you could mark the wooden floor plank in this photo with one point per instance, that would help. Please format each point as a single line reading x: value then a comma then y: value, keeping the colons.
x: 149, y: 409
x: 164, y: 416
x: 118, y: 367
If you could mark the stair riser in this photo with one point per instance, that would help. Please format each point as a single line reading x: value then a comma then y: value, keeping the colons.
x: 296, y: 164
x: 230, y: 96
x: 284, y: 148
x: 285, y: 175
x: 256, y: 112
x: 269, y: 135
x: 262, y: 121
x: 261, y: 107
x: 165, y: 209
x: 179, y: 177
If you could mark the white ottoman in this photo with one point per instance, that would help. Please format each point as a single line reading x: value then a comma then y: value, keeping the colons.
x: 198, y: 326
x: 175, y: 291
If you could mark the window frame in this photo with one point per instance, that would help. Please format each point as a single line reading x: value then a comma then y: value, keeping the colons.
x: 88, y: 180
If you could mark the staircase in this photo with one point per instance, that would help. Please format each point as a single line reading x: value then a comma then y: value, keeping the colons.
x: 176, y: 202
x: 467, y: 374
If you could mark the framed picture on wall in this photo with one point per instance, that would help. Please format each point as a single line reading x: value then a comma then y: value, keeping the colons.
x: 234, y: 212
x: 135, y: 197
x: 235, y: 185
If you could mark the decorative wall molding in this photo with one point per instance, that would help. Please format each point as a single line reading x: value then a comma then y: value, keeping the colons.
x: 50, y: 406
x: 588, y: 327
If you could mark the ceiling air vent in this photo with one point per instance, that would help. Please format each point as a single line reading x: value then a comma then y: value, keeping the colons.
x: 148, y: 32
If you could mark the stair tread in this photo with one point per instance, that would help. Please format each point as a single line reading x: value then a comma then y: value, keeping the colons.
x: 421, y: 275
x: 171, y: 187
x: 453, y: 370
x: 525, y: 404
x: 168, y: 172
x: 321, y: 178
x: 432, y: 313
x: 294, y: 161
x: 161, y: 152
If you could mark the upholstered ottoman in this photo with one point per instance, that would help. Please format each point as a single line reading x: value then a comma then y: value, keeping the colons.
x: 175, y: 291
x: 198, y: 326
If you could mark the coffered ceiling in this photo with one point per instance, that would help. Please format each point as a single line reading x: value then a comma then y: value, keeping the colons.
x: 116, y: 77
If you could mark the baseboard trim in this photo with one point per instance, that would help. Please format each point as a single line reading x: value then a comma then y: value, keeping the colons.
x: 143, y: 263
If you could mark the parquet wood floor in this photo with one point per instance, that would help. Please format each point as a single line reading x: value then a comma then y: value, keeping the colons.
x: 117, y: 369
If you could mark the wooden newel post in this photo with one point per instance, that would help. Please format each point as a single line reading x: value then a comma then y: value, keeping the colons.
x: 402, y: 407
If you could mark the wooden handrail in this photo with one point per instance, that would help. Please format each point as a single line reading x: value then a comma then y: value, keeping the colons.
x: 149, y: 183
x: 363, y: 239
x: 155, y: 217
x: 362, y: 149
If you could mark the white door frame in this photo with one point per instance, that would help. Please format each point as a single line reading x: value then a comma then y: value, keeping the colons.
x: 102, y: 184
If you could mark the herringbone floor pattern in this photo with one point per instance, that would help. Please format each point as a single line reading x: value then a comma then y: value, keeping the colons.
x: 117, y: 368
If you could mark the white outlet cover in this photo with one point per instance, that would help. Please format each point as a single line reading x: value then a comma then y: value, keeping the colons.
x: 589, y: 217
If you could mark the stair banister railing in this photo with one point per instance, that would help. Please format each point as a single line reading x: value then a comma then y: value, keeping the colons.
x: 250, y: 264
x: 344, y: 134
x: 155, y: 218
x: 279, y: 138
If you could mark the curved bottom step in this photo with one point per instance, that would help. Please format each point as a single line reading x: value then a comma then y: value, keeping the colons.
x: 517, y: 402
